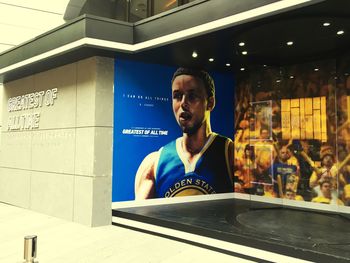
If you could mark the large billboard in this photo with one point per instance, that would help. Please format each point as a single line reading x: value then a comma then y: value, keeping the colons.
x: 292, y: 133
x: 158, y: 130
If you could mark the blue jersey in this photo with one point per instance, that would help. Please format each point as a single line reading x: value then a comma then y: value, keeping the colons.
x: 287, y: 173
x: 284, y: 170
x: 209, y: 174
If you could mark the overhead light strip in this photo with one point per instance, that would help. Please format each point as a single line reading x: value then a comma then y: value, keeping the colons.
x: 180, y: 35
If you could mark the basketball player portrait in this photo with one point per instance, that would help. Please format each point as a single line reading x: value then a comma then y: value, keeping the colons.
x: 200, y: 161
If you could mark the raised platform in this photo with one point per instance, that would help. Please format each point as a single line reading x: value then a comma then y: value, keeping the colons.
x: 308, y: 235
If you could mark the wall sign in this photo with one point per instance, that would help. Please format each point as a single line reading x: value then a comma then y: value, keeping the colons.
x: 35, y: 100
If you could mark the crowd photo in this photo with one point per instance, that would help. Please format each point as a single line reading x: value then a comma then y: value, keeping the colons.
x: 292, y: 134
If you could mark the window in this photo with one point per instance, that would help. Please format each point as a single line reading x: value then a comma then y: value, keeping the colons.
x: 160, y: 6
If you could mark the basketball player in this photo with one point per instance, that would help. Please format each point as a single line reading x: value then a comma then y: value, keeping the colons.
x: 199, y: 162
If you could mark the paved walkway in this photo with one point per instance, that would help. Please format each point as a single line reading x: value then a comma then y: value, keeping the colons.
x: 62, y: 241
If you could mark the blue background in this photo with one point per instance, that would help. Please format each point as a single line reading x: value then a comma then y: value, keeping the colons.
x: 134, y: 84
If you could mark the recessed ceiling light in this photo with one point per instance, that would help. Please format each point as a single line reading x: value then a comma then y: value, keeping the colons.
x: 194, y: 54
x: 242, y: 69
x: 278, y: 80
x: 241, y: 44
x: 244, y: 52
x: 291, y: 77
x: 340, y: 32
x: 316, y: 69
x: 264, y: 65
x: 228, y: 64
x: 211, y: 59
x: 326, y: 24
x: 289, y: 43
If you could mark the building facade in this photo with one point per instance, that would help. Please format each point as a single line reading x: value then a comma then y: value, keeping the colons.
x: 83, y: 104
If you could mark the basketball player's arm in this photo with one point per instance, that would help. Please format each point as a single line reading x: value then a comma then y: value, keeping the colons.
x: 231, y: 155
x: 145, y: 177
x: 231, y: 159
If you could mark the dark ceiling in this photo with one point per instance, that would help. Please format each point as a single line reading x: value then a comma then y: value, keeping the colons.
x: 266, y: 40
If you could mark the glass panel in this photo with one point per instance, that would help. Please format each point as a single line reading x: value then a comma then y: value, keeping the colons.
x: 120, y: 10
x: 288, y: 143
x: 160, y: 6
x: 138, y: 10
x: 343, y: 127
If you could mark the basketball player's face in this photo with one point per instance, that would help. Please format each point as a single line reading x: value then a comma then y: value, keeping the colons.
x: 191, y: 105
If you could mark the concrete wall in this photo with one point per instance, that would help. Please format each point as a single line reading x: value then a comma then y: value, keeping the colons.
x: 56, y: 153
x: 1, y: 96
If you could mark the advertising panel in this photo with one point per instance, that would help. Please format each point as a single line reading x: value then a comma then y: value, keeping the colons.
x: 171, y: 138
x: 291, y: 133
